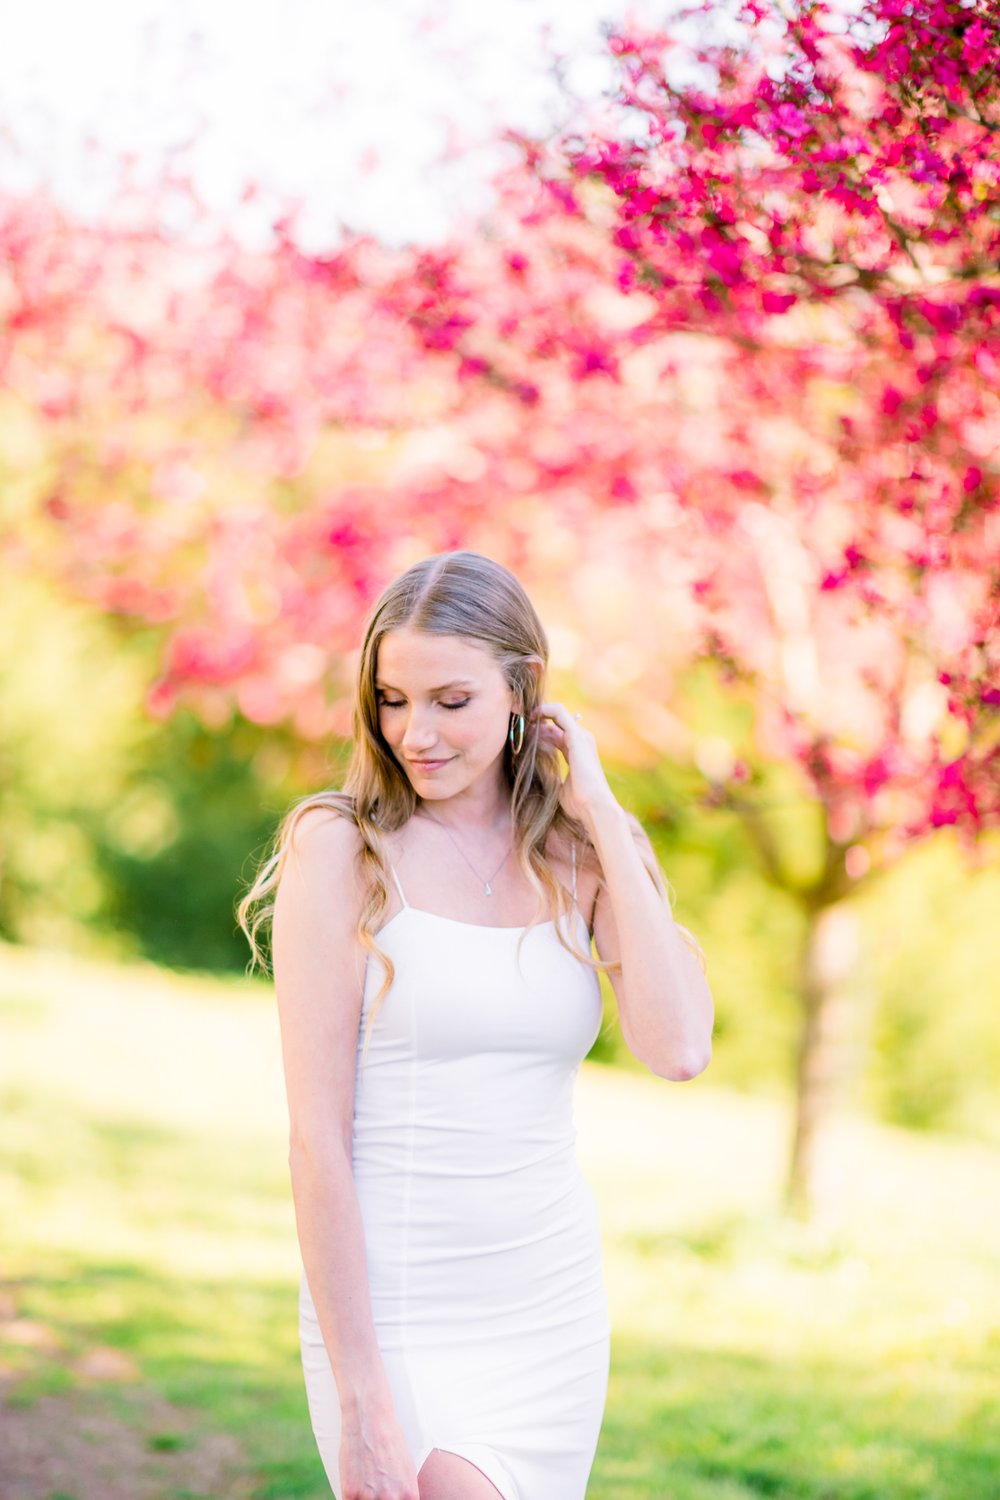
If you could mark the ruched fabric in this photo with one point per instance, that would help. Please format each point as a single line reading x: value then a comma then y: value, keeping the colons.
x: 481, y: 1232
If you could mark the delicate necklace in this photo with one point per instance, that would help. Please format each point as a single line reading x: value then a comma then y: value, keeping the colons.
x: 487, y: 884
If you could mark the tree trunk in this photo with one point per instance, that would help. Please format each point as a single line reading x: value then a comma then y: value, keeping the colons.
x: 829, y: 1048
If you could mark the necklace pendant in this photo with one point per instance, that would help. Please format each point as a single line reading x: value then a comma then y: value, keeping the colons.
x: 488, y: 888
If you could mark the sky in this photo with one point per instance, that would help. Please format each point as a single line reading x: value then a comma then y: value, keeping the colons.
x: 351, y: 106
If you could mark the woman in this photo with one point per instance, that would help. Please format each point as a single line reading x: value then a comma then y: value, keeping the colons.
x: 431, y: 932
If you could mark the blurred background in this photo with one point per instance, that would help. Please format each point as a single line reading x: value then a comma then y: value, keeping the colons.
x: 292, y: 297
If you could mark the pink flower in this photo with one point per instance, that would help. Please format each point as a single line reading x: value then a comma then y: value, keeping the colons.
x: 622, y: 488
x: 791, y: 120
x: 628, y: 237
x: 979, y: 48
x: 161, y: 698
x: 591, y: 360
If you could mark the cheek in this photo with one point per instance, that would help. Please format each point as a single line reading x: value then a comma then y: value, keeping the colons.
x: 486, y: 732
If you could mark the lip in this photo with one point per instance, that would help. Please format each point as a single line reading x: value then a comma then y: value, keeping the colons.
x: 431, y: 765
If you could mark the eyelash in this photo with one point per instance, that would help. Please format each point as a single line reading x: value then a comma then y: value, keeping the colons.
x: 384, y: 703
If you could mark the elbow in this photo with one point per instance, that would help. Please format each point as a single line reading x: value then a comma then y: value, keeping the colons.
x: 679, y: 1068
x: 310, y: 1156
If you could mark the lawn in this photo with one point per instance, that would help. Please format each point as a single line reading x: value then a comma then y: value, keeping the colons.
x: 148, y: 1336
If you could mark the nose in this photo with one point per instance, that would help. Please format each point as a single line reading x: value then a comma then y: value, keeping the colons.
x: 419, y: 735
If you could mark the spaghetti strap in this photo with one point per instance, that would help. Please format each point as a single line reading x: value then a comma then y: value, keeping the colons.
x: 402, y: 894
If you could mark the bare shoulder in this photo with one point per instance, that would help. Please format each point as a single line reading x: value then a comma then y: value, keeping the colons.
x: 321, y: 860
x: 324, y: 834
x: 559, y: 847
x: 564, y: 853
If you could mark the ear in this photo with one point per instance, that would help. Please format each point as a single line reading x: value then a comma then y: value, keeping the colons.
x: 531, y: 670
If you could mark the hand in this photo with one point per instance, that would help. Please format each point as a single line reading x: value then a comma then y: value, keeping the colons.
x: 375, y: 1462
x: 586, y: 788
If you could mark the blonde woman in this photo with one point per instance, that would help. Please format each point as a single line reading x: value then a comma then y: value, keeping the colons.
x: 431, y: 931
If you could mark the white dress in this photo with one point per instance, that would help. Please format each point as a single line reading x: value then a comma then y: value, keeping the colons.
x: 481, y: 1233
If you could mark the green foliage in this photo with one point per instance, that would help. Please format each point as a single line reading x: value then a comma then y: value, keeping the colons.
x: 179, y: 848
x: 121, y: 833
x: 70, y: 728
x: 934, y: 954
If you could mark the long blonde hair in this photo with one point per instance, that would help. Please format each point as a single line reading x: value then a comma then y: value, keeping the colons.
x: 453, y: 594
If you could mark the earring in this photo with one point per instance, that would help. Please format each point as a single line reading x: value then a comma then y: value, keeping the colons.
x: 516, y: 733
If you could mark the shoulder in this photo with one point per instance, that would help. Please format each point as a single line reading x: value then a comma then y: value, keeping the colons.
x: 573, y: 861
x: 319, y: 896
x: 323, y: 840
x: 562, y: 848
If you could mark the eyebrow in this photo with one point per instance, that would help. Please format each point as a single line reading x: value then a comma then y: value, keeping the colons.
x: 460, y: 682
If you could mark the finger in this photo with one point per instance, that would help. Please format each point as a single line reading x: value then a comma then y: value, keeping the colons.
x: 558, y: 712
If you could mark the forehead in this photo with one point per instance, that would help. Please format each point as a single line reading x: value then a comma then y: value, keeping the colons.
x: 421, y: 661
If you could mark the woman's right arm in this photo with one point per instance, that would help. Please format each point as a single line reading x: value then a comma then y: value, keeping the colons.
x: 319, y: 980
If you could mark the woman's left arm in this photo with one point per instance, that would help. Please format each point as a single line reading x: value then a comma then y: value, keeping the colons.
x: 664, y: 1000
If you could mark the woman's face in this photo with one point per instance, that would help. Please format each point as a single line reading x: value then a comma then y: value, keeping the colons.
x: 444, y: 709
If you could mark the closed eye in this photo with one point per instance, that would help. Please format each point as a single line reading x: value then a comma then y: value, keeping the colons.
x: 401, y: 703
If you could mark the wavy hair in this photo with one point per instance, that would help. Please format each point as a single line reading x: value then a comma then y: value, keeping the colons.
x: 452, y: 594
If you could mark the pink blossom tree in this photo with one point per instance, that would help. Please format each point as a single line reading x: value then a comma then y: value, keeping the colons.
x: 730, y: 379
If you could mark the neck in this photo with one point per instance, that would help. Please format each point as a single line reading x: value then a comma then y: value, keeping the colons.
x: 484, y: 806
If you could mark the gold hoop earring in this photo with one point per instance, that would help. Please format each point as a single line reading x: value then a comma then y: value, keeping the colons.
x: 516, y: 739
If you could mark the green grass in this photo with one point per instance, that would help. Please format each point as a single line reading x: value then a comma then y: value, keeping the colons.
x: 146, y: 1232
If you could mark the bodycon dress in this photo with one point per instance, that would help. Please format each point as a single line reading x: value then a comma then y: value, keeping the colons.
x: 481, y: 1233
